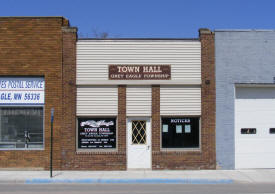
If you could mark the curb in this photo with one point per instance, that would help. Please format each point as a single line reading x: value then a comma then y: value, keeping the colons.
x: 12, y: 181
x: 128, y: 181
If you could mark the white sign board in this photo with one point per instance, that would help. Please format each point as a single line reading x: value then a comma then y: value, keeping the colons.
x: 22, y: 90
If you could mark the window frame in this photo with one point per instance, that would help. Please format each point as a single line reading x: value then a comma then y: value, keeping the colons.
x: 43, y: 126
x: 198, y: 149
x: 146, y: 140
x: 97, y: 150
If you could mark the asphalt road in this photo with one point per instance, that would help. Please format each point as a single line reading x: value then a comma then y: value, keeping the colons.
x: 139, y: 188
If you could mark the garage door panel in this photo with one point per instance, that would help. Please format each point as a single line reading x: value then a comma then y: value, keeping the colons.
x: 246, y: 161
x: 254, y: 110
x: 254, y: 120
x: 255, y: 93
x: 257, y: 105
x: 265, y: 145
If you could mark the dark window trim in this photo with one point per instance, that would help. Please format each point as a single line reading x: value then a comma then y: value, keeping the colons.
x: 180, y: 149
x: 98, y: 150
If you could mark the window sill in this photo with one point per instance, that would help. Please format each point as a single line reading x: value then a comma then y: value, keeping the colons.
x: 22, y: 149
x: 180, y: 150
x: 99, y: 152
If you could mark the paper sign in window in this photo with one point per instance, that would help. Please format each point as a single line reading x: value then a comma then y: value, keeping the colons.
x: 187, y: 128
x: 178, y: 128
x: 164, y: 128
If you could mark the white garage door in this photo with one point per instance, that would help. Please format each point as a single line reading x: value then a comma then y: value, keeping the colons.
x: 255, y: 127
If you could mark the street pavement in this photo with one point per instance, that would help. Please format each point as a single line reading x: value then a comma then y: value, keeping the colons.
x: 263, y: 176
x: 138, y: 188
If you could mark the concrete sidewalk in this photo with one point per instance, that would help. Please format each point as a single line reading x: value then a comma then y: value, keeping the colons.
x: 135, y: 177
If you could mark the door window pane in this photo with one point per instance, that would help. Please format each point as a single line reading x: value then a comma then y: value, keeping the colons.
x: 21, y: 127
x: 139, y: 132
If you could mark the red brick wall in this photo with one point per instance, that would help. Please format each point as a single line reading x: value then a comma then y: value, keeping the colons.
x: 68, y: 133
x: 205, y: 158
x: 32, y: 46
x: 208, y: 95
x: 155, y: 120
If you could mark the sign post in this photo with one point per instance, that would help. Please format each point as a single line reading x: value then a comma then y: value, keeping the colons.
x: 51, y: 153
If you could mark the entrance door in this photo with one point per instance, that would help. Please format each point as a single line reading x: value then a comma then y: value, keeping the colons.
x: 139, y: 143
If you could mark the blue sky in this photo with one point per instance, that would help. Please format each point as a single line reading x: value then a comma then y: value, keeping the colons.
x: 149, y: 18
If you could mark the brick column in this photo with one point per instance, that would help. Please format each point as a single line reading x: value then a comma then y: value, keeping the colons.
x: 155, y: 118
x: 208, y: 94
x: 121, y: 118
x: 68, y: 131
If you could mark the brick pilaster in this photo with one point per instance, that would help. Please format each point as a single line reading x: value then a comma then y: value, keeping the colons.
x: 68, y: 133
x: 155, y: 118
x: 121, y: 118
x: 208, y: 96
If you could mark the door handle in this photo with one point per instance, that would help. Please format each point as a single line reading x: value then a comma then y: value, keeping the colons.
x: 148, y: 147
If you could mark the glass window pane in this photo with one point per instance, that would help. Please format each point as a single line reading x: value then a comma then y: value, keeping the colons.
x: 21, y: 127
x: 181, y: 132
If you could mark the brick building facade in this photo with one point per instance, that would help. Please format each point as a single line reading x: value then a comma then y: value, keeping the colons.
x: 48, y: 47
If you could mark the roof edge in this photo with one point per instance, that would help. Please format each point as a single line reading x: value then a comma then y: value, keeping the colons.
x: 244, y: 30
x: 32, y: 17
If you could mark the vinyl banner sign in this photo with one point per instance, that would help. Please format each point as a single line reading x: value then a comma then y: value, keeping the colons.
x: 139, y: 72
x: 96, y: 133
x: 22, y: 90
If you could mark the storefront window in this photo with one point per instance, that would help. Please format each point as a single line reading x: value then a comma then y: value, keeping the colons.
x: 21, y: 127
x: 180, y: 132
x: 96, y: 133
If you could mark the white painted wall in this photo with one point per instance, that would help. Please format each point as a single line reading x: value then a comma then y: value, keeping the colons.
x: 97, y: 100
x: 180, y: 100
x: 94, y: 56
x: 139, y: 100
